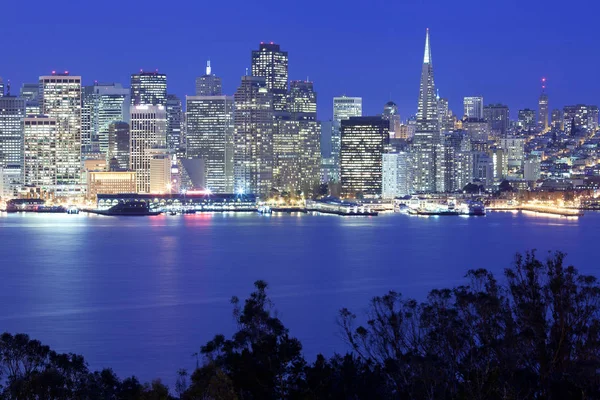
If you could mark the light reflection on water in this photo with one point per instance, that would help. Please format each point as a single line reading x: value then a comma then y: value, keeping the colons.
x: 142, y: 294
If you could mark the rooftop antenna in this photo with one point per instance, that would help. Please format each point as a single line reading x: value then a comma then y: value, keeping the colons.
x: 208, y: 67
x: 246, y: 71
x: 543, y: 85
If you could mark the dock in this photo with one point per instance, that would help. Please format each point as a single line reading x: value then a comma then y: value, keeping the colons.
x: 562, y: 212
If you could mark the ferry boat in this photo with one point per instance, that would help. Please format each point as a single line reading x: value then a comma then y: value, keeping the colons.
x: 476, y: 208
x: 264, y: 209
x: 130, y: 208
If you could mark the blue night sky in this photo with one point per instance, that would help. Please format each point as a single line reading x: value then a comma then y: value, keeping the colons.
x: 372, y: 49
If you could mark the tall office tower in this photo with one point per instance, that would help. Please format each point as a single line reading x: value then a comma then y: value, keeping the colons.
x: 497, y: 116
x: 208, y: 84
x: 296, y: 141
x: 390, y: 114
x: 361, y: 156
x: 111, y: 105
x: 12, y: 114
x: 61, y: 99
x: 148, y: 135
x: 526, y: 119
x: 272, y: 64
x: 473, y: 107
x: 30, y: 92
x: 427, y: 133
x: 118, y: 145
x: 174, y: 121
x: 477, y: 130
x: 149, y: 88
x: 483, y: 168
x: 444, y: 115
x: 1, y: 87
x: 253, y: 137
x: 210, y: 131
x: 543, y: 108
x: 343, y: 108
x: 557, y: 119
x: 39, y: 155
x: 580, y: 117
x: 395, y: 176
x: 89, y: 121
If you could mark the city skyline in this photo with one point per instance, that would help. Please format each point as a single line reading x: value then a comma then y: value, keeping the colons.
x: 510, y: 76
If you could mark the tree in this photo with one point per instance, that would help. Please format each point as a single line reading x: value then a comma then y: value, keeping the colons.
x: 261, y: 360
x: 505, y: 186
x: 471, y: 188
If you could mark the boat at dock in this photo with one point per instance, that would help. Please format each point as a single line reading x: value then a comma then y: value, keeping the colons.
x: 332, y: 205
x: 131, y: 208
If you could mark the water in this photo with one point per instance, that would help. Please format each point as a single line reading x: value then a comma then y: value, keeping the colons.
x: 142, y: 294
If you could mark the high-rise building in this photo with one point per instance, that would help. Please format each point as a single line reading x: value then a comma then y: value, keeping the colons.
x: 208, y: 84
x: 296, y: 141
x: 149, y: 88
x: 343, y: 108
x: 210, y: 133
x: 557, y: 119
x: 445, y: 117
x: 30, y: 92
x: 148, y: 134
x: 390, y: 113
x: 361, y: 156
x: 497, y: 116
x: 473, y: 107
x: 271, y: 63
x: 1, y: 87
x: 111, y: 105
x: 253, y: 137
x: 39, y: 156
x: 160, y: 174
x: 531, y: 169
x: 478, y: 130
x: 542, y: 121
x: 580, y: 117
x: 427, y: 133
x: 61, y: 100
x: 395, y: 176
x: 174, y: 121
x: 89, y: 122
x: 526, y: 119
x: 515, y: 151
x: 12, y: 114
x: 118, y: 145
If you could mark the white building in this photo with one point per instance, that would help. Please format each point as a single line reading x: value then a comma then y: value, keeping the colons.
x: 515, y: 149
x: 531, y: 169
x: 473, y: 107
x: 61, y: 100
x: 160, y: 174
x: 396, y: 175
x: 148, y: 132
x: 39, y: 161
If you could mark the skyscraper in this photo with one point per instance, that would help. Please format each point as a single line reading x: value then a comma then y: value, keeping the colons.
x: 149, y: 88
x: 210, y: 129
x: 473, y: 107
x: 272, y: 64
x: 343, y: 108
x: 111, y: 105
x: 118, y: 145
x: 12, y: 114
x: 253, y: 137
x: 174, y: 121
x: 1, y: 87
x: 39, y: 160
x: 61, y: 100
x: 390, y: 113
x: 208, y: 84
x: 427, y: 133
x: 497, y: 116
x: 580, y: 117
x: 361, y: 156
x: 148, y: 134
x: 543, y: 108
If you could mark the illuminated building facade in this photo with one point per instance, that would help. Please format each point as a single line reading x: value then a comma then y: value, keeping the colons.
x: 208, y: 84
x: 526, y: 119
x: 390, y: 113
x: 395, y: 175
x: 149, y: 88
x: 542, y: 121
x: 580, y: 117
x: 160, y: 174
x: 253, y: 137
x: 174, y: 121
x: 557, y: 119
x: 110, y: 183
x: 343, y: 108
x: 39, y: 157
x: 61, y: 100
x: 210, y: 135
x: 12, y: 114
x: 427, y: 134
x: 473, y: 107
x: 361, y: 156
x: 271, y: 63
x: 148, y: 134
